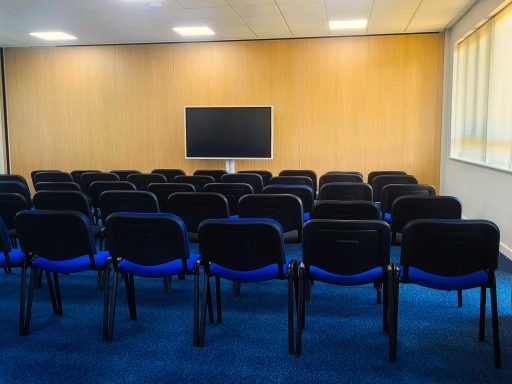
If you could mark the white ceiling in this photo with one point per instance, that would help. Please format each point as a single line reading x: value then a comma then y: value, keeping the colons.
x: 133, y: 21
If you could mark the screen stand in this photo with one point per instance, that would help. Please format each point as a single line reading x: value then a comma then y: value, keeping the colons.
x: 230, y: 165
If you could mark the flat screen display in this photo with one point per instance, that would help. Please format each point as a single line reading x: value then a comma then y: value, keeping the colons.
x: 230, y: 132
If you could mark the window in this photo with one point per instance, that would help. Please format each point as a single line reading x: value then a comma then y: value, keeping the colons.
x: 482, y: 94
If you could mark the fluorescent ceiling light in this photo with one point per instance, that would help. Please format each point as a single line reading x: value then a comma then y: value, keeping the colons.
x: 194, y: 31
x: 348, y: 24
x: 53, y: 36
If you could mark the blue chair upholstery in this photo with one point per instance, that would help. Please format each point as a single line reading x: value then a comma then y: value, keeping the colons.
x: 448, y: 255
x: 352, y: 252
x: 149, y: 245
x: 60, y: 242
x: 250, y: 250
x: 346, y: 191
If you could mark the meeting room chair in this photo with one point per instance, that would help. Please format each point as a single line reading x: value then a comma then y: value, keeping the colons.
x: 380, y: 182
x: 10, y: 205
x: 162, y: 191
x: 127, y: 201
x: 391, y: 192
x: 142, y: 180
x: 151, y: 245
x: 58, y: 186
x: 195, y: 207
x: 98, y: 187
x: 198, y: 181
x: 286, y: 209
x: 42, y: 177
x: 232, y: 192
x: 374, y: 174
x: 16, y: 187
x: 17, y: 178
x: 448, y: 255
x: 169, y: 173
x: 345, y: 210
x: 215, y: 173
x: 292, y: 180
x: 345, y: 191
x: 90, y: 177
x: 265, y: 175
x: 304, y: 192
x: 247, y: 251
x: 253, y: 179
x: 57, y: 242
x: 340, y: 178
x: 76, y: 174
x: 343, y: 253
x: 344, y: 172
x: 302, y: 172
x: 124, y: 173
x: 36, y: 171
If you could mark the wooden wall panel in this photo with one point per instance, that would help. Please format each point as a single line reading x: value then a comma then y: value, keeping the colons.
x: 355, y: 103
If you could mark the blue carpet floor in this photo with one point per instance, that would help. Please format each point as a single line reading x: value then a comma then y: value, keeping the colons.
x: 343, y: 342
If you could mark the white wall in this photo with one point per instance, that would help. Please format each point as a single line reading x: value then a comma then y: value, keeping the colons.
x: 485, y: 193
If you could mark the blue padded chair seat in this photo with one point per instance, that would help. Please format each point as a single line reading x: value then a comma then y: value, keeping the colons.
x: 306, y: 216
x: 429, y: 280
x: 234, y: 217
x: 15, y: 256
x: 367, y: 277
x: 387, y: 217
x: 78, y: 264
x: 171, y: 268
x: 270, y: 272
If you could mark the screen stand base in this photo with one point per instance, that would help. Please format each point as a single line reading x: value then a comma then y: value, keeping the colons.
x: 230, y: 165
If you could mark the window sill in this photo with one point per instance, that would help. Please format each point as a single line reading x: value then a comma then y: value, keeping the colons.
x: 479, y: 164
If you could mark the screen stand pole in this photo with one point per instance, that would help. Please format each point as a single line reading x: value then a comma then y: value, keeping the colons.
x: 230, y: 165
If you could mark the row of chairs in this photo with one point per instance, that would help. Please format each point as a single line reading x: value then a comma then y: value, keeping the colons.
x: 439, y: 254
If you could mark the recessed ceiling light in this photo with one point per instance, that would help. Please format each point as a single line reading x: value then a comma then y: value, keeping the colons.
x: 194, y: 31
x: 53, y: 36
x: 348, y: 24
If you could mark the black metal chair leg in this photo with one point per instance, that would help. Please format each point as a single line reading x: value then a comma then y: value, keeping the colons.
x: 106, y: 297
x: 385, y: 299
x: 52, y: 292
x: 34, y: 273
x: 203, y: 311
x: 58, y: 295
x: 483, y: 299
x: 236, y: 288
x: 495, y: 325
x: 196, y: 338
x: 300, y: 313
x: 133, y: 312
x: 290, y: 308
x: 393, y: 310
x: 112, y: 314
x: 99, y: 284
x: 209, y: 303
x: 21, y: 326
x: 39, y: 280
x: 181, y: 276
x: 459, y: 298
x: 378, y: 288
x: 218, y: 300
x: 167, y: 284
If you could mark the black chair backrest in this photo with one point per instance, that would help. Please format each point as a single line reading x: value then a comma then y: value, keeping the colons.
x: 231, y: 191
x: 253, y: 179
x: 296, y: 180
x: 346, y: 191
x: 55, y: 235
x: 380, y: 182
x: 162, y: 191
x: 215, y: 173
x: 15, y: 187
x: 372, y: 175
x: 344, y: 173
x: 285, y: 209
x: 35, y: 172
x: 169, y: 174
x: 124, y: 173
x: 18, y: 178
x: 391, y: 192
x: 142, y: 180
x: 302, y: 172
x: 63, y: 201
x: 197, y: 181
x: 340, y: 178
x: 127, y: 201
x: 58, y: 186
x: 90, y: 177
x: 42, y: 177
x: 304, y: 192
x: 265, y: 175
x: 10, y: 205
x: 409, y: 208
x: 78, y: 173
x: 195, y: 207
x: 98, y: 187
x: 346, y: 210
x: 242, y: 245
x: 5, y: 242
x: 450, y: 247
x: 147, y: 239
x: 346, y: 247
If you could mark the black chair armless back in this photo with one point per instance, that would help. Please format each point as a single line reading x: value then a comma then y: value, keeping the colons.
x: 231, y: 191
x: 63, y: 201
x: 127, y: 201
x: 90, y: 177
x: 162, y: 191
x: 304, y: 192
x: 372, y: 175
x: 10, y: 205
x: 346, y: 210
x: 340, y: 178
x: 291, y: 180
x: 346, y: 191
x: 35, y: 172
x: 58, y: 186
x: 265, y: 175
x: 78, y: 173
x: 344, y: 173
x: 302, y: 172
x: 215, y: 173
x: 42, y: 177
x: 124, y: 173
x: 391, y: 192
x: 17, y: 178
x: 15, y: 187
x: 142, y: 180
x: 253, y: 179
x: 169, y: 174
x: 98, y: 187
x: 380, y: 182
x: 198, y: 181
